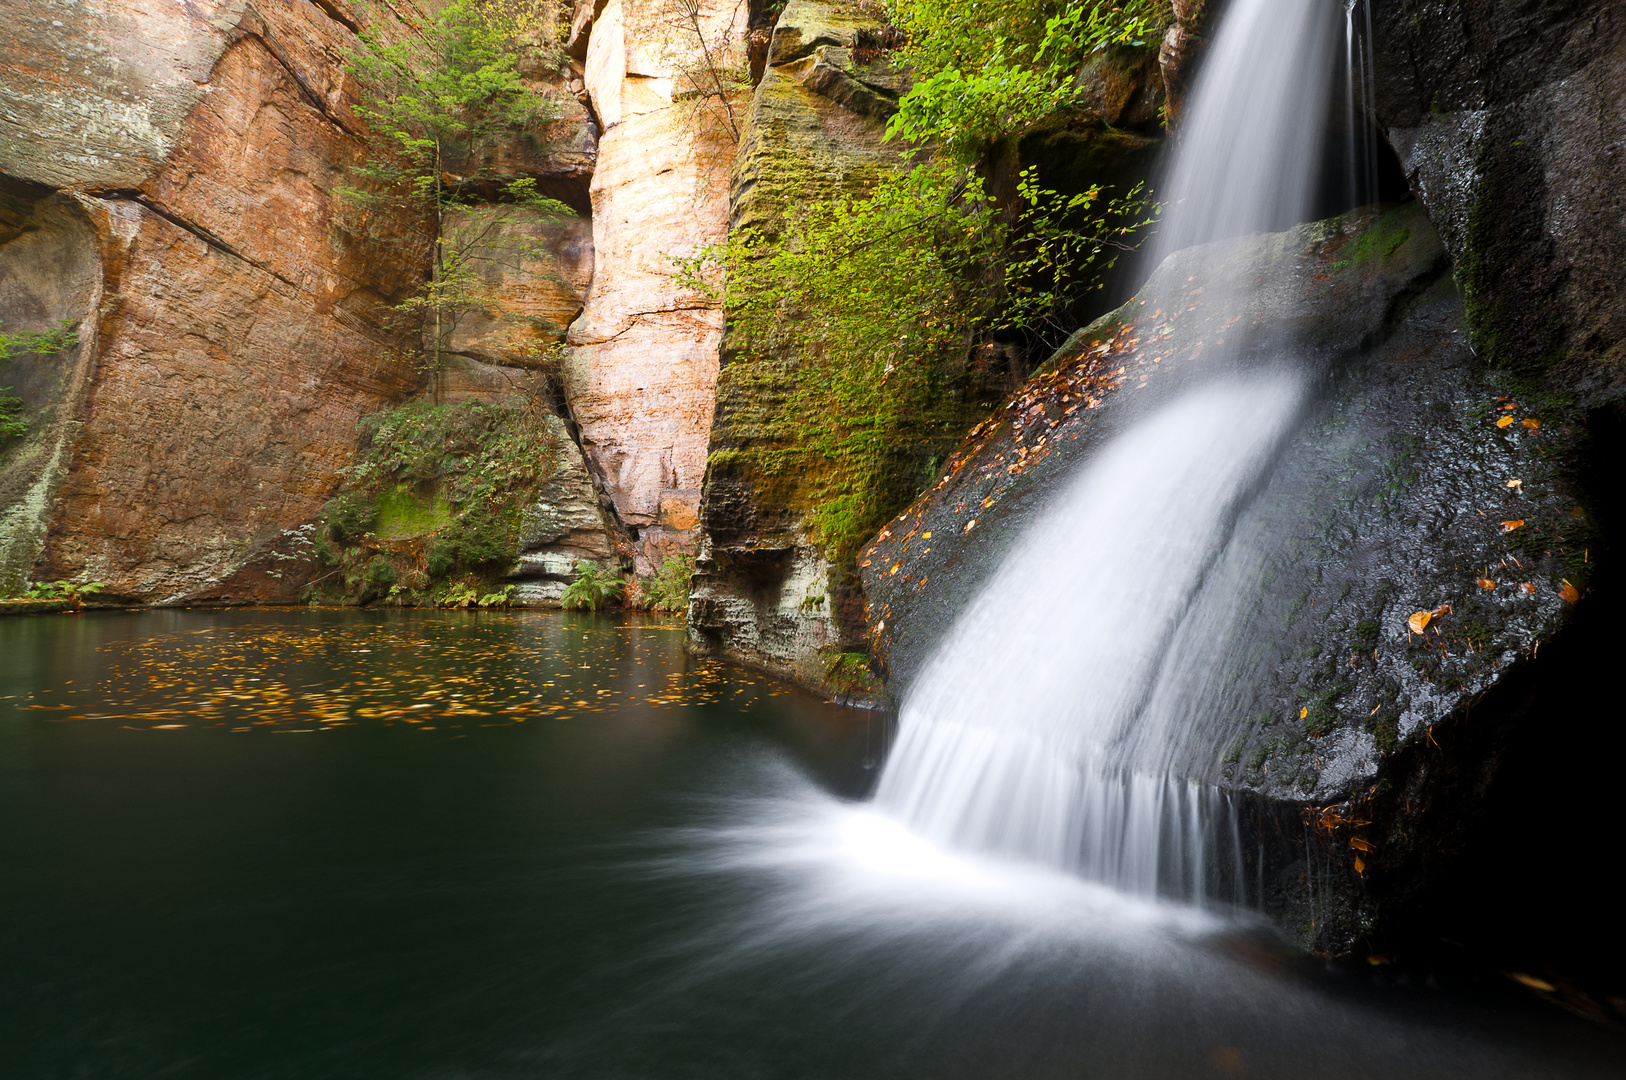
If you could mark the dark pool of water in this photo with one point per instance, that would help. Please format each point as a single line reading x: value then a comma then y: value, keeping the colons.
x: 301, y: 844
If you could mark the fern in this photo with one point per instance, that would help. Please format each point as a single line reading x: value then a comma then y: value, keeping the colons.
x: 591, y: 588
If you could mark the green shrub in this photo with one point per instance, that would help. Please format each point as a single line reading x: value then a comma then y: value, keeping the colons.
x: 453, y: 478
x: 381, y: 572
x: 880, y: 299
x: 64, y: 590
x: 591, y: 588
x: 13, y: 414
x: 13, y: 422
x: 668, y: 589
x: 348, y: 517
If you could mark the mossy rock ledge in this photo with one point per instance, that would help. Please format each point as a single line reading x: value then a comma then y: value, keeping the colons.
x: 1347, y: 735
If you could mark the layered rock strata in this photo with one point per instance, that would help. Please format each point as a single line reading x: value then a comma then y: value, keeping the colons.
x: 815, y: 126
x: 643, y: 353
x: 177, y: 164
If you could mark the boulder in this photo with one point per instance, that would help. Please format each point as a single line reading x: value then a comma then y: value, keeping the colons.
x: 1382, y: 593
x: 1506, y: 117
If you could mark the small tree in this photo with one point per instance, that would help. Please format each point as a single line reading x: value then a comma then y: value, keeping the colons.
x: 436, y: 101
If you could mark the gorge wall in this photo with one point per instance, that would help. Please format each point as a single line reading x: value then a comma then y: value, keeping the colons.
x: 167, y: 183
x: 168, y: 188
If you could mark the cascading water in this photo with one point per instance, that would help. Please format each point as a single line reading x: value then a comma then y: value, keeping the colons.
x: 1019, y: 737
x: 1250, y: 144
x: 1044, y: 726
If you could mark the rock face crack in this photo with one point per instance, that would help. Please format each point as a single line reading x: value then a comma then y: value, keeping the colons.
x: 255, y: 26
x: 332, y: 11
x: 634, y: 316
x: 192, y: 227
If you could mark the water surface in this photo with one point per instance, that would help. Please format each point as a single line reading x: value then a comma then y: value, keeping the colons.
x: 460, y: 845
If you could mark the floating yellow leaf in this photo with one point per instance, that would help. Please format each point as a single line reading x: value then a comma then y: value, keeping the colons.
x: 1419, y: 621
x: 925, y: 536
x: 1506, y: 421
x: 1531, y: 981
x: 1516, y: 484
x: 1486, y: 583
x: 1360, y: 865
x: 1570, y: 593
x: 1361, y: 845
x: 1509, y: 526
x: 894, y: 568
x: 1304, y: 712
x: 972, y: 524
x: 1531, y: 422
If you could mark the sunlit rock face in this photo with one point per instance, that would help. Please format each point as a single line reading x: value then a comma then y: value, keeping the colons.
x: 643, y: 356
x: 179, y: 162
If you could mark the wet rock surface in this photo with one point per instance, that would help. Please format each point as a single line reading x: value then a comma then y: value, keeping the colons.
x: 1420, y: 536
x: 1506, y: 117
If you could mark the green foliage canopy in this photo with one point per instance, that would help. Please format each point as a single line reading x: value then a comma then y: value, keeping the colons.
x: 437, y: 103
x: 980, y: 81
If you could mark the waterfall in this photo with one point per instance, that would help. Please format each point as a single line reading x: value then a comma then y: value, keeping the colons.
x: 1053, y: 723
x: 1250, y: 144
x: 1021, y: 735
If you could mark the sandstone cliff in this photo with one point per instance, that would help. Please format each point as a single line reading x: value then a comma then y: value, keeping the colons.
x: 167, y: 179
x: 170, y: 171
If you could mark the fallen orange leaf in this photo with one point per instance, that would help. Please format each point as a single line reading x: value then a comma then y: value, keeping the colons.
x: 1529, y: 589
x: 1531, y: 422
x: 1570, y: 593
x: 1360, y: 865
x: 1304, y: 712
x: 1419, y: 621
x: 1486, y: 583
x: 1519, y: 484
x: 1509, y: 526
x: 1441, y: 610
x: 972, y: 524
x: 1509, y: 405
x: 1361, y: 845
x: 1506, y: 421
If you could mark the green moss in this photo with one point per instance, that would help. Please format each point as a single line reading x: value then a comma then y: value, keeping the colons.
x: 436, y: 495
x: 849, y: 673
x: 403, y: 513
x: 1321, y: 718
x: 1382, y: 239
x: 1385, y: 730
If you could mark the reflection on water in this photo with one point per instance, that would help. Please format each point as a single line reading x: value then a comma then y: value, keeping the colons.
x: 535, y: 845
